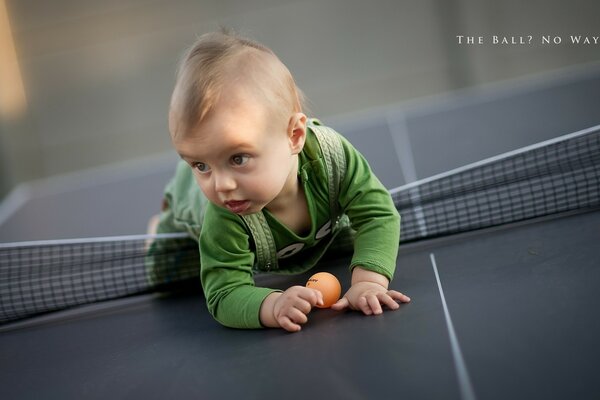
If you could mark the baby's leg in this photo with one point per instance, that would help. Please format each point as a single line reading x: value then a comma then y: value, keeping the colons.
x: 153, y: 224
x: 151, y: 229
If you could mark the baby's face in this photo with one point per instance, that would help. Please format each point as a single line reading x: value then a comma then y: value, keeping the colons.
x: 241, y: 155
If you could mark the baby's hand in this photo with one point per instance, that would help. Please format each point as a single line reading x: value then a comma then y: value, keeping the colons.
x: 292, y: 307
x: 368, y: 298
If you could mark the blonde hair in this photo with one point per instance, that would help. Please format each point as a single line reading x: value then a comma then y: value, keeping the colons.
x: 218, y: 59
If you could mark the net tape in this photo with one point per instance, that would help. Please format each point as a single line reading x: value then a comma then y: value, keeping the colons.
x: 555, y: 176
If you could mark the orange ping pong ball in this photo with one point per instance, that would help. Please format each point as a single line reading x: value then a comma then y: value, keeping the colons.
x: 328, y: 285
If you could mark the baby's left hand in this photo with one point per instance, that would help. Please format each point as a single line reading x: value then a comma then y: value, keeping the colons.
x: 368, y: 297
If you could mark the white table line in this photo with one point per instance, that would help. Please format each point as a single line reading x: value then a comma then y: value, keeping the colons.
x: 464, y: 382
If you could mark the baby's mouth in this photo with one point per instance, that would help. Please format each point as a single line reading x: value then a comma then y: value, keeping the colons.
x: 237, y: 206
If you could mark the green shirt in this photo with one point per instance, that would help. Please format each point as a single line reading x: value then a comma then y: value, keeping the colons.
x: 227, y: 259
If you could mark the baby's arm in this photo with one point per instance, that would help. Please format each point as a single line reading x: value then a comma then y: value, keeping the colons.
x: 289, y: 310
x: 376, y: 221
x: 369, y: 291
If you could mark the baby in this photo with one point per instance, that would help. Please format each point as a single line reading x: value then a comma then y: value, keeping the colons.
x: 249, y: 153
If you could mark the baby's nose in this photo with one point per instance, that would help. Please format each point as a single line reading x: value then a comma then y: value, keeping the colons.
x: 224, y: 183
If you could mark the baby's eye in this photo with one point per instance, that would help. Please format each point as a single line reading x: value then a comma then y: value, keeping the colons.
x: 240, y: 159
x: 201, y: 167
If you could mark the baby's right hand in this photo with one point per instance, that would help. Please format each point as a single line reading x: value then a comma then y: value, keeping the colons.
x: 292, y: 307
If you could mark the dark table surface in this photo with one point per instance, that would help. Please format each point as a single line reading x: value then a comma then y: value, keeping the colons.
x: 520, y: 301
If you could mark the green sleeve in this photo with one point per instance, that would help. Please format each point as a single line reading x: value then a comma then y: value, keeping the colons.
x: 372, y: 215
x: 226, y: 271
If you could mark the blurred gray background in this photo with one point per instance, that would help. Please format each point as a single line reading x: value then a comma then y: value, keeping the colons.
x: 388, y: 74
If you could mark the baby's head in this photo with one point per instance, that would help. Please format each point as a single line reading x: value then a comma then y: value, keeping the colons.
x: 236, y: 118
x: 221, y: 64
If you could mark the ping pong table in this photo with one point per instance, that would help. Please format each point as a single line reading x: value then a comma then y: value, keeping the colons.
x: 500, y: 312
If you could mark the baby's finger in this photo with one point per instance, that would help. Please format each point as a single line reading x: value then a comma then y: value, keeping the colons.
x: 297, y: 316
x: 398, y: 296
x: 374, y: 304
x: 303, y: 305
x: 387, y: 300
x: 341, y: 304
x: 363, y: 305
x: 288, y: 325
x: 313, y: 296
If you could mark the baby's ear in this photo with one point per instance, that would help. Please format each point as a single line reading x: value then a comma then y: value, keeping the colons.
x: 297, y: 132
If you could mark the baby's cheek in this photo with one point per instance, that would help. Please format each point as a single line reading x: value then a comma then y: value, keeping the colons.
x: 210, y: 194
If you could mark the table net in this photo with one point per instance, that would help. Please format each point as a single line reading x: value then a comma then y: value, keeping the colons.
x: 556, y: 176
